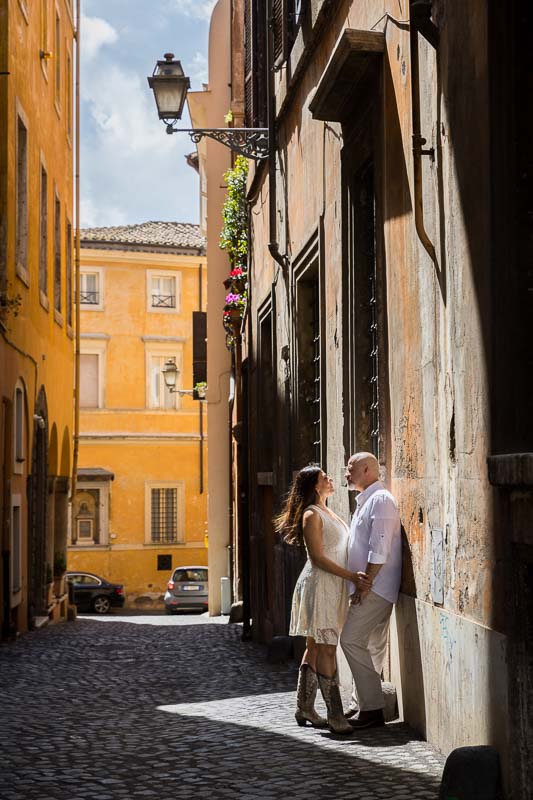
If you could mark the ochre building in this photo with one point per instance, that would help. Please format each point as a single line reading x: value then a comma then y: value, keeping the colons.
x: 36, y: 335
x: 141, y: 501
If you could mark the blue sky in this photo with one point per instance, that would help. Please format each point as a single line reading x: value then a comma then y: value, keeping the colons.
x: 131, y: 171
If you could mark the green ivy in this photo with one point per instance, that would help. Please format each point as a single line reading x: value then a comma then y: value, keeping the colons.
x: 234, y: 233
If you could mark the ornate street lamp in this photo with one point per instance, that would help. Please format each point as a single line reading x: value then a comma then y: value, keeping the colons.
x: 170, y: 85
x: 170, y: 374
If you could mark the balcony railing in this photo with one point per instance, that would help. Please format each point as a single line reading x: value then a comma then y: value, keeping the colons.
x: 89, y: 298
x: 163, y: 301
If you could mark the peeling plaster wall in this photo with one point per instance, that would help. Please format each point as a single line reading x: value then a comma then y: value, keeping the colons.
x: 438, y: 339
x: 462, y: 697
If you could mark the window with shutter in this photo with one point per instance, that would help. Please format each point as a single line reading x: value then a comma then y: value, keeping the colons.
x: 248, y: 75
x: 255, y: 77
x: 199, y: 347
x: 294, y: 22
x: 279, y: 23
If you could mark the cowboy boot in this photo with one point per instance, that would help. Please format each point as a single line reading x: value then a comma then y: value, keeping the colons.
x: 305, y: 699
x: 332, y: 698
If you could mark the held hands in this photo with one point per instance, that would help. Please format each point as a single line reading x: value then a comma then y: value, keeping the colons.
x: 363, y: 585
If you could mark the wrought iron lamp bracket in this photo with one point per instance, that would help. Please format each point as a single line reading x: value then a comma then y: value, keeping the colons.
x: 249, y: 142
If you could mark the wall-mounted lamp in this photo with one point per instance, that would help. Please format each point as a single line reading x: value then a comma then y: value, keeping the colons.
x: 170, y: 374
x: 170, y: 86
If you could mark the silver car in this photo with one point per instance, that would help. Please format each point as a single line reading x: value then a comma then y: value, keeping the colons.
x: 187, y: 590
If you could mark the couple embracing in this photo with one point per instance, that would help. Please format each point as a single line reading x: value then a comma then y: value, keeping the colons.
x: 346, y: 590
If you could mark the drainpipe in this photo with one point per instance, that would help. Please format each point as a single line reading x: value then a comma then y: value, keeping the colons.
x: 420, y: 21
x: 200, y: 402
x: 273, y: 246
x: 77, y: 279
x: 231, y: 401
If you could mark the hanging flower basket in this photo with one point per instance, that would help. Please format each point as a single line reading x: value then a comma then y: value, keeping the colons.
x: 232, y: 317
x: 237, y: 281
x: 234, y: 240
x: 235, y: 285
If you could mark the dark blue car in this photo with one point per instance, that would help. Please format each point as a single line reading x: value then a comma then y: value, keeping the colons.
x: 92, y: 593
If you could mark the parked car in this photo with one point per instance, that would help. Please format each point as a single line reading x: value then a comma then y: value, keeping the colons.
x: 92, y: 593
x: 187, y: 590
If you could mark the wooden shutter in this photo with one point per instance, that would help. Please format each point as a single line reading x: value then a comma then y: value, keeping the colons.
x: 199, y: 348
x: 255, y: 76
x: 248, y: 64
x: 279, y: 21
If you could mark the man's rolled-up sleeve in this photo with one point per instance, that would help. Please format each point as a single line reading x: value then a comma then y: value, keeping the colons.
x: 384, y: 525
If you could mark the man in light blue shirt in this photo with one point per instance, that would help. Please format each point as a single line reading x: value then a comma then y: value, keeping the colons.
x: 375, y: 552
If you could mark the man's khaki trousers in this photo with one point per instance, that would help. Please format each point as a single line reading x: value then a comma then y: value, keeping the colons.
x: 365, y: 621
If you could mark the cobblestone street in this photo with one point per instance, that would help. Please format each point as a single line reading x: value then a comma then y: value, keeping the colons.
x: 179, y: 707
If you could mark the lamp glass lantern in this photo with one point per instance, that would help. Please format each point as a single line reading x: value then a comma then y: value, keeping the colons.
x: 170, y: 374
x: 170, y: 86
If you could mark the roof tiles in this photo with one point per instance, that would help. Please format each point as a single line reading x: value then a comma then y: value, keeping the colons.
x: 145, y: 236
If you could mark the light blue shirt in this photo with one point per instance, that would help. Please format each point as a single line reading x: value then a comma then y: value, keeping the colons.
x: 376, y: 538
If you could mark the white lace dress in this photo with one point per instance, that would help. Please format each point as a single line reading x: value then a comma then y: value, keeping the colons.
x: 320, y: 599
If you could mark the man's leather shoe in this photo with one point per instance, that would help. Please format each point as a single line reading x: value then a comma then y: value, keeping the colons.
x: 368, y: 719
x: 351, y: 711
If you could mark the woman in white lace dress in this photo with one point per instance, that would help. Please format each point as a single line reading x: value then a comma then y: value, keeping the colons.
x: 320, y: 600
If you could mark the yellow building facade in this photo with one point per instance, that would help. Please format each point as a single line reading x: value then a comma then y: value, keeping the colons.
x: 141, y: 501
x: 36, y: 319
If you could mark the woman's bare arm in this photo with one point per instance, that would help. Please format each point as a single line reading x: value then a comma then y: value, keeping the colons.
x: 312, y: 530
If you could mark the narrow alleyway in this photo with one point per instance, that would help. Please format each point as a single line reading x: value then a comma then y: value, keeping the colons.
x: 106, y: 708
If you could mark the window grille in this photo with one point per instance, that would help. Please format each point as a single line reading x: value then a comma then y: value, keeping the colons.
x: 316, y: 398
x: 373, y: 356
x: 361, y: 311
x: 89, y: 298
x: 89, y: 294
x: 307, y: 377
x: 164, y: 515
x: 164, y: 301
x: 163, y: 292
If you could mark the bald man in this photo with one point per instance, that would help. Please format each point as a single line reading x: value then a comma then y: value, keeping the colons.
x: 375, y: 552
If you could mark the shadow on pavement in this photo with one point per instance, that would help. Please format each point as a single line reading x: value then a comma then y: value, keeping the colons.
x: 81, y: 709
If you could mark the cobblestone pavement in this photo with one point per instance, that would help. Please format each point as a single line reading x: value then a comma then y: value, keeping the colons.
x: 105, y: 709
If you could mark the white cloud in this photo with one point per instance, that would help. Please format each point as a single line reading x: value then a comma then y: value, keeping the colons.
x: 198, y: 68
x: 131, y: 171
x: 122, y: 114
x: 95, y: 33
x: 200, y: 9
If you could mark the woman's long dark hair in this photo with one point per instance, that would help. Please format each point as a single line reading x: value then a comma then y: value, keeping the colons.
x: 301, y: 495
